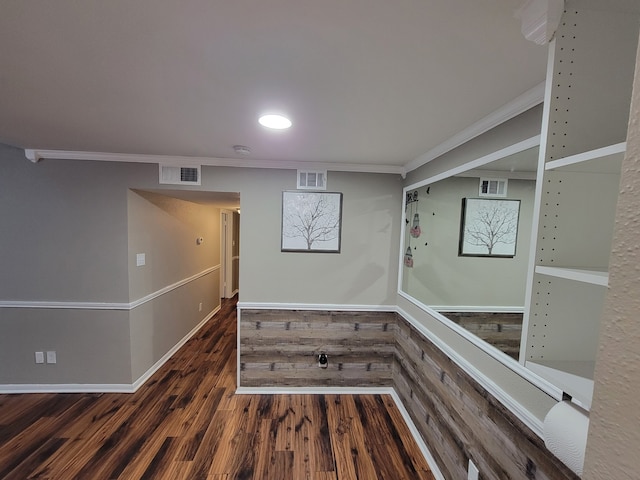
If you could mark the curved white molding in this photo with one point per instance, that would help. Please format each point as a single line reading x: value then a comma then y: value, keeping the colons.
x: 540, y: 19
x: 105, y: 305
x: 519, y: 105
x: 36, y: 155
x: 315, y: 306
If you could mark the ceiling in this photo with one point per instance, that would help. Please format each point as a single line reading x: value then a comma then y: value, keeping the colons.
x: 373, y: 82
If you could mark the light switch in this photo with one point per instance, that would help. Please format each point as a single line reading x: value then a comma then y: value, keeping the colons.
x: 140, y: 259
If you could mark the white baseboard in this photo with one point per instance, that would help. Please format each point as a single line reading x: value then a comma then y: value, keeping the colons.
x: 415, y: 433
x: 314, y: 390
x: 67, y: 388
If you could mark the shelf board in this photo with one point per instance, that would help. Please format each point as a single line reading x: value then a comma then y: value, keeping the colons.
x: 594, y: 277
x: 601, y: 160
x: 573, y: 377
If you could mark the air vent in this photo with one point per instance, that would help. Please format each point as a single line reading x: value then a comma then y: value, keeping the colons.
x: 312, y: 179
x: 493, y: 187
x: 173, y: 175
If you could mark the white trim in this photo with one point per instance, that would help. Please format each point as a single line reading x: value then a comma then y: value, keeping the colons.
x: 498, y: 355
x: 156, y: 366
x: 578, y: 158
x: 314, y: 390
x: 533, y: 245
x: 490, y: 350
x: 64, y: 305
x: 173, y: 286
x: 477, y: 308
x: 238, y: 315
x: 521, y: 104
x: 534, y: 423
x: 417, y: 437
x: 479, y: 162
x: 415, y: 433
x: 36, y: 155
x: 67, y: 388
x: 316, y: 306
x: 105, y: 305
x: 106, y: 388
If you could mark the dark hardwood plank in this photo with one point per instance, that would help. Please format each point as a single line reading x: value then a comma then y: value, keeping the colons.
x: 187, y: 422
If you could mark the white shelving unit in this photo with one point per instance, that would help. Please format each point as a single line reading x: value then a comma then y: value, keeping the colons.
x: 587, y: 101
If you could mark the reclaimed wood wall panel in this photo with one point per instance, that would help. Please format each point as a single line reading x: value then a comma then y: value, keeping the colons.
x: 459, y: 420
x: 281, y: 347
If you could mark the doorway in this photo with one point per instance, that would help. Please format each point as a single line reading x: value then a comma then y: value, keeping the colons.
x: 229, y: 253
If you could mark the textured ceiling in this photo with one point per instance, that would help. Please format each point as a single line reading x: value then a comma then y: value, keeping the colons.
x: 367, y: 82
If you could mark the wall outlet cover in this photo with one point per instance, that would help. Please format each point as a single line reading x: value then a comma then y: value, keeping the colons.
x: 39, y: 357
x: 51, y: 357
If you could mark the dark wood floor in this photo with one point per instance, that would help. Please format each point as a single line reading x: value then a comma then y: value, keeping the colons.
x: 186, y: 422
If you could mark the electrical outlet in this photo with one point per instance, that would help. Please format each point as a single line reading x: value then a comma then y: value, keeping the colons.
x: 51, y: 357
x: 323, y: 360
x: 200, y: 307
x: 39, y: 357
x: 472, y: 472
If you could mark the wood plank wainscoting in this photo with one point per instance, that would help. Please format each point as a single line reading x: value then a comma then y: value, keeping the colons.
x: 281, y: 348
x: 187, y: 423
x: 457, y: 418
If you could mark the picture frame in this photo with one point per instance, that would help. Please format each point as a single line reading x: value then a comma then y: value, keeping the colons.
x: 489, y: 227
x: 311, y: 222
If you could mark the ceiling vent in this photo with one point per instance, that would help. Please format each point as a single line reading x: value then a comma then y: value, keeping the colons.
x: 172, y: 175
x: 493, y: 187
x: 312, y: 179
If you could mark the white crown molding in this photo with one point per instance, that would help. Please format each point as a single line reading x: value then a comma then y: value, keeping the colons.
x: 540, y: 19
x: 519, y: 105
x: 315, y: 306
x: 35, y: 155
x: 105, y: 305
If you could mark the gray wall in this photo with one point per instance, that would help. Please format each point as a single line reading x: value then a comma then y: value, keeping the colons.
x: 71, y: 230
x: 439, y: 276
x: 165, y: 229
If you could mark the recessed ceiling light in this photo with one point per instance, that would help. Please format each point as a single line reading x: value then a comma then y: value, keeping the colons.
x: 277, y: 122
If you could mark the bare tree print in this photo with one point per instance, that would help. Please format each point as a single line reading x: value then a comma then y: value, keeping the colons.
x: 490, y: 223
x: 311, y: 218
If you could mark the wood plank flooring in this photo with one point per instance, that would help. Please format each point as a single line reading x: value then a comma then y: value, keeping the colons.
x: 186, y: 422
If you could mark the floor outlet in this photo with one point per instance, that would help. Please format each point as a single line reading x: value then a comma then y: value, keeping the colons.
x: 51, y: 357
x: 39, y: 357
